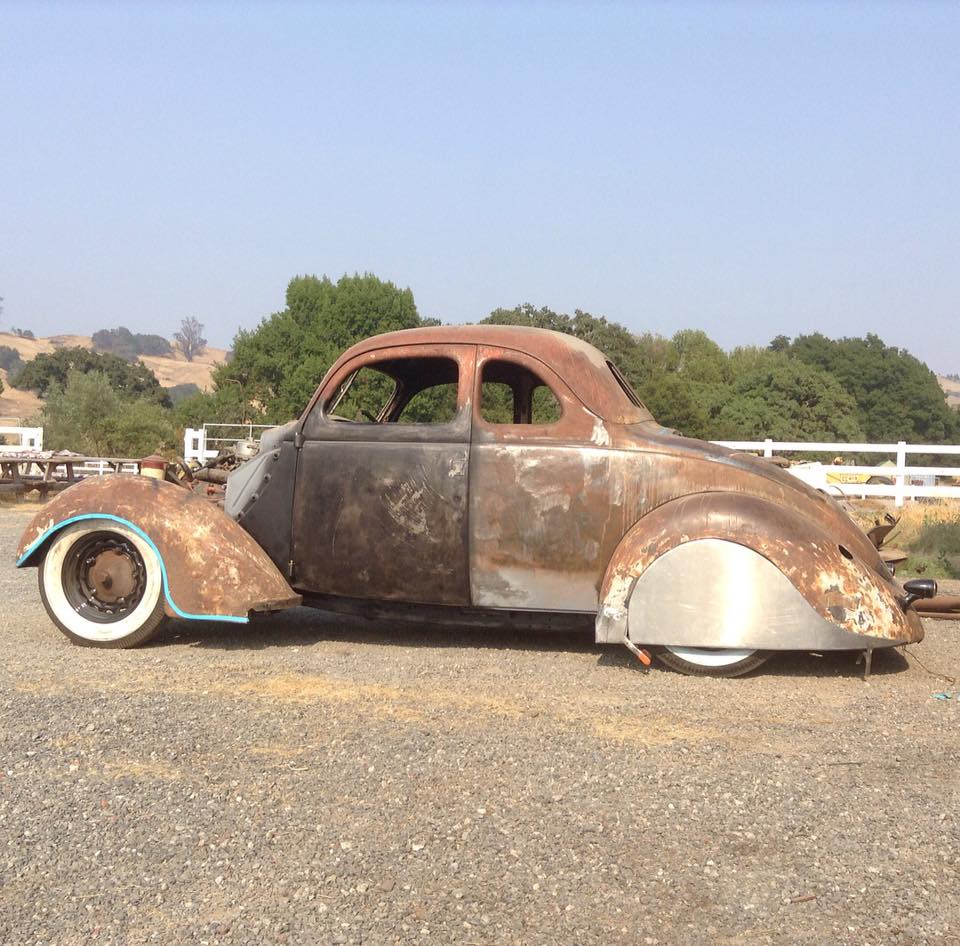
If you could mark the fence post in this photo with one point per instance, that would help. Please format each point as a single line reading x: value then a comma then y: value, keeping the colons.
x: 194, y: 444
x: 768, y: 447
x: 899, y: 489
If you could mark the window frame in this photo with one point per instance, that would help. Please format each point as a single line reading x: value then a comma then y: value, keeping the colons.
x: 317, y: 424
x: 561, y: 428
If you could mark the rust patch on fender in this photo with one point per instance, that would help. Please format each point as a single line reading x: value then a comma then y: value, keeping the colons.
x: 213, y: 567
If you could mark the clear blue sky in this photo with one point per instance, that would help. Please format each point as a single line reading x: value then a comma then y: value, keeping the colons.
x: 748, y: 169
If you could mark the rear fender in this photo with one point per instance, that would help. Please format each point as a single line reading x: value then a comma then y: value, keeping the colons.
x: 728, y: 570
x: 212, y: 569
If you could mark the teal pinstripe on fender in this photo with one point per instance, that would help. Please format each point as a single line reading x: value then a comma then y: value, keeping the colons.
x: 230, y: 618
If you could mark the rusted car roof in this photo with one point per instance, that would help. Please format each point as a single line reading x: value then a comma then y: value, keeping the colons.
x: 584, y: 368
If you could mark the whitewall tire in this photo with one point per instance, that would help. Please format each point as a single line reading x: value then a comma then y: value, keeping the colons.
x: 102, y: 584
x: 712, y: 661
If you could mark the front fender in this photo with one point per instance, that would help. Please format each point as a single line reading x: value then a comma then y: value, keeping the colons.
x: 212, y: 569
x: 728, y: 570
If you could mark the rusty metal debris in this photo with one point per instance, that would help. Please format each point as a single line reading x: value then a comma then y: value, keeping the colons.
x: 945, y: 606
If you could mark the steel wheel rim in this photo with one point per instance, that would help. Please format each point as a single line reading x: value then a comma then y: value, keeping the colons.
x: 104, y: 577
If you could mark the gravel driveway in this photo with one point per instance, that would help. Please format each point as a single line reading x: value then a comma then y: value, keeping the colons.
x: 318, y: 780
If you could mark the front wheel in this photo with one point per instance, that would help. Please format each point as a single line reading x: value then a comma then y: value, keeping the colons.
x: 711, y: 661
x: 102, y: 584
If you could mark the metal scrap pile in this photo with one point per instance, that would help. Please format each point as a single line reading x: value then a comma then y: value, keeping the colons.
x: 214, y: 472
x: 945, y: 607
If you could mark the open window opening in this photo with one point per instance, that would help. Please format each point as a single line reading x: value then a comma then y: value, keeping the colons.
x: 513, y: 394
x: 401, y: 390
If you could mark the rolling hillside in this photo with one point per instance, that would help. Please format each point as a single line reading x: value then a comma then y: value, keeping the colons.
x: 952, y: 391
x: 169, y: 370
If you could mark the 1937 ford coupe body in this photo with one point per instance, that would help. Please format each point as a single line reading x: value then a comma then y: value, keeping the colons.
x: 485, y: 471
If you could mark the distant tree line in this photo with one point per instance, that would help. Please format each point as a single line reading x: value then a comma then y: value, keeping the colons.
x: 806, y: 388
x: 129, y: 345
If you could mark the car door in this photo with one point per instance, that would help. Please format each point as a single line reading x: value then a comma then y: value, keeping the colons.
x: 546, y: 501
x: 380, y: 503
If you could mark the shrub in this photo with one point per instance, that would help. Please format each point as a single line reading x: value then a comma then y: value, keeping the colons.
x: 180, y: 392
x: 129, y: 380
x: 88, y: 415
x: 10, y: 360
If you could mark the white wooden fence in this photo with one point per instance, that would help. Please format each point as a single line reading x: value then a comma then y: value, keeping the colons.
x: 27, y: 438
x: 908, y: 482
x: 207, y: 441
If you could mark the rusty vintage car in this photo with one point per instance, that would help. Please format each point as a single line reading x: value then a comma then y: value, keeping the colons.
x: 482, y: 473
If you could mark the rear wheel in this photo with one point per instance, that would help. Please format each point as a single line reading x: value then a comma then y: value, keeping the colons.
x: 102, y: 584
x: 711, y: 661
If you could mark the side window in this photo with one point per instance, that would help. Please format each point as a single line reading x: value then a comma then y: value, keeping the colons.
x: 496, y: 402
x: 398, y: 390
x: 513, y: 394
x: 433, y: 405
x: 546, y: 408
x: 362, y: 397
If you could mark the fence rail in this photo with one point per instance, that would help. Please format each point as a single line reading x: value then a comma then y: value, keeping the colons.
x: 902, y: 482
x: 906, y: 482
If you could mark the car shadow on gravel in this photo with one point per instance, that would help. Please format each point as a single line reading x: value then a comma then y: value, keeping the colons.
x: 305, y: 627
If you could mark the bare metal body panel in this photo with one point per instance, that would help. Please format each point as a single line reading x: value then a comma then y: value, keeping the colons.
x: 725, y: 593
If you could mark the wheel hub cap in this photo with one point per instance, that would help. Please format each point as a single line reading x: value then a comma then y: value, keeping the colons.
x: 112, y: 576
x: 104, y: 577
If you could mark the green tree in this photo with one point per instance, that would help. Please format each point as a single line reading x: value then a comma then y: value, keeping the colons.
x: 89, y: 415
x: 897, y: 395
x: 10, y: 360
x: 279, y: 364
x: 180, y: 392
x: 54, y: 368
x: 785, y: 399
x: 226, y: 405
x: 700, y: 359
x: 677, y: 403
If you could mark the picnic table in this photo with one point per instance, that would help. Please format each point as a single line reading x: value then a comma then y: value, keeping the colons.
x: 51, y: 471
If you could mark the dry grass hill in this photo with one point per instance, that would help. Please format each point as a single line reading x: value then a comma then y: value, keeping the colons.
x: 170, y: 370
x: 952, y: 391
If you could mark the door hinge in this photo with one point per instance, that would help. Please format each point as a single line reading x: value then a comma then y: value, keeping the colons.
x: 298, y: 439
x: 290, y: 569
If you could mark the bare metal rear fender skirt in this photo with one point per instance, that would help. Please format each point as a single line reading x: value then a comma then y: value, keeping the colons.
x: 212, y: 570
x: 714, y: 593
x: 834, y: 575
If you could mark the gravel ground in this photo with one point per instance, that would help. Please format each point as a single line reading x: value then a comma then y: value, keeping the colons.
x: 318, y: 780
